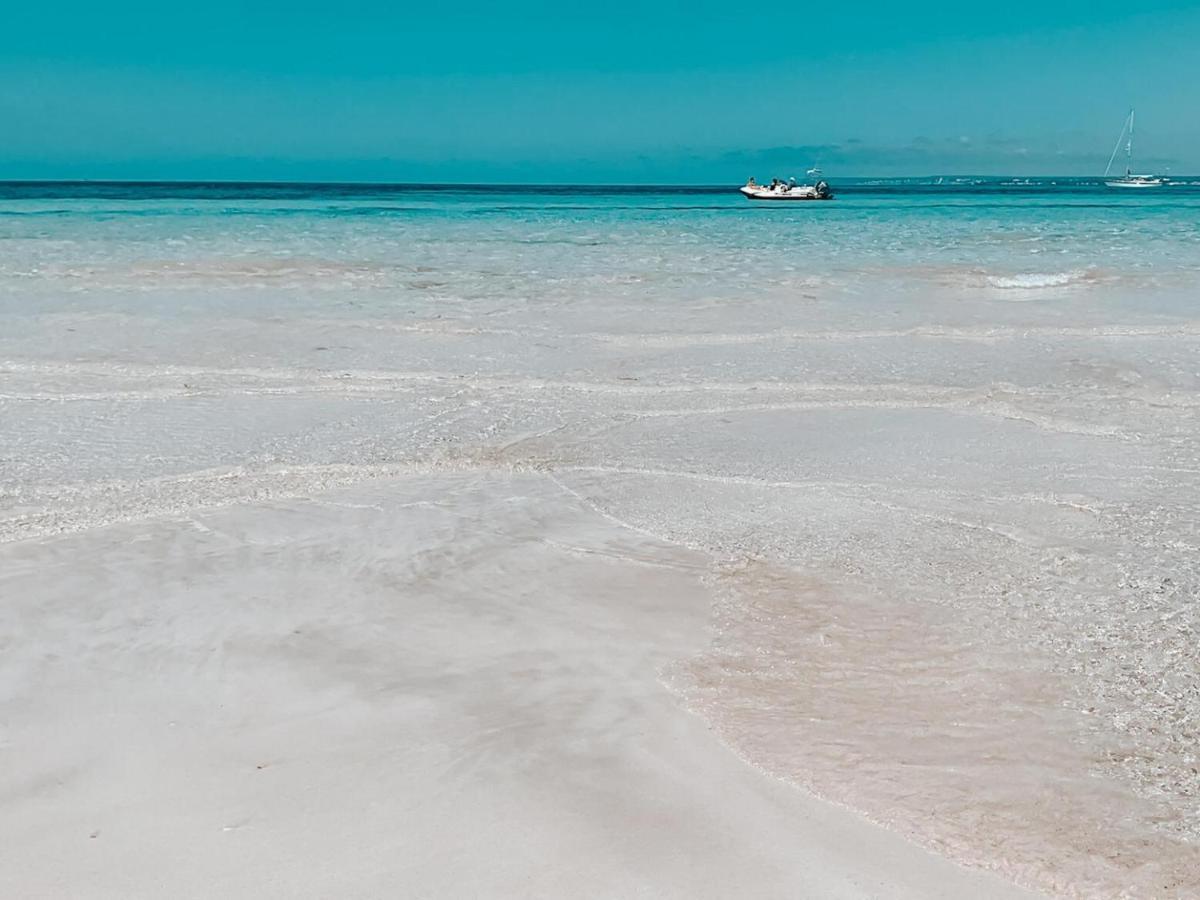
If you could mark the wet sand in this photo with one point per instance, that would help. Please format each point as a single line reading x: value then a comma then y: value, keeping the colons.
x: 427, y: 686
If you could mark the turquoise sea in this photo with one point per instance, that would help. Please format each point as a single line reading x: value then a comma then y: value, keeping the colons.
x: 1001, y: 234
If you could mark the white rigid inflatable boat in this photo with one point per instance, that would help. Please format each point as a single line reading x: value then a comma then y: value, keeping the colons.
x: 786, y: 190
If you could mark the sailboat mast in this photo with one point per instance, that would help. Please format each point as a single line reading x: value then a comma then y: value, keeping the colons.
x: 1129, y: 147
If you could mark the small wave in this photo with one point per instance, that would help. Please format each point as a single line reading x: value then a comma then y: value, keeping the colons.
x: 1037, y: 280
x: 222, y: 272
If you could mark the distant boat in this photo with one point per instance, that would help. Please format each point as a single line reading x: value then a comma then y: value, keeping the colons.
x: 1128, y: 180
x: 788, y: 190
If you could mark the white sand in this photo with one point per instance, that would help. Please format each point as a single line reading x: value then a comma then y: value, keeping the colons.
x: 433, y: 686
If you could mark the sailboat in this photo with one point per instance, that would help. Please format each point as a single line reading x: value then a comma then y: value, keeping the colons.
x: 1128, y: 180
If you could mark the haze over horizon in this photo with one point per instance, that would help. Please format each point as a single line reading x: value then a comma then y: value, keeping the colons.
x: 659, y: 93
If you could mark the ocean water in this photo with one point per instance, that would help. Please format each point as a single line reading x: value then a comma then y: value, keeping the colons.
x: 939, y: 440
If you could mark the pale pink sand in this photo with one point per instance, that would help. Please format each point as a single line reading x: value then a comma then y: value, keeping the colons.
x: 436, y: 686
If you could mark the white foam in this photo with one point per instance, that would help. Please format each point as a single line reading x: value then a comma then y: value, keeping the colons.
x: 1033, y: 281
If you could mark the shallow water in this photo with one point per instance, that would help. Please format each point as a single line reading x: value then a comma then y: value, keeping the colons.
x: 940, y: 444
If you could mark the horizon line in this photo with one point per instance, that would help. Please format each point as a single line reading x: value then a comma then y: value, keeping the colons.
x: 150, y: 182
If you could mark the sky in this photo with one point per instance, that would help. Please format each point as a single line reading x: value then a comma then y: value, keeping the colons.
x: 612, y: 92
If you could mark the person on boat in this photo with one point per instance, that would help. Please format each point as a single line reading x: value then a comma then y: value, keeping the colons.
x: 751, y: 183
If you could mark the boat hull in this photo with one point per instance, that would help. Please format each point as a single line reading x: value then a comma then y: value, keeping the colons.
x: 1134, y: 184
x: 793, y: 196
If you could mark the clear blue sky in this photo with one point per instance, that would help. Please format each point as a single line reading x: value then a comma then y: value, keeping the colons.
x: 615, y: 91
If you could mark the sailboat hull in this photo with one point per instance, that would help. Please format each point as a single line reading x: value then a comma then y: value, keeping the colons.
x: 1133, y: 184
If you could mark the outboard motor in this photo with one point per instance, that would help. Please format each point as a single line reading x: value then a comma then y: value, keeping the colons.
x: 823, y: 191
